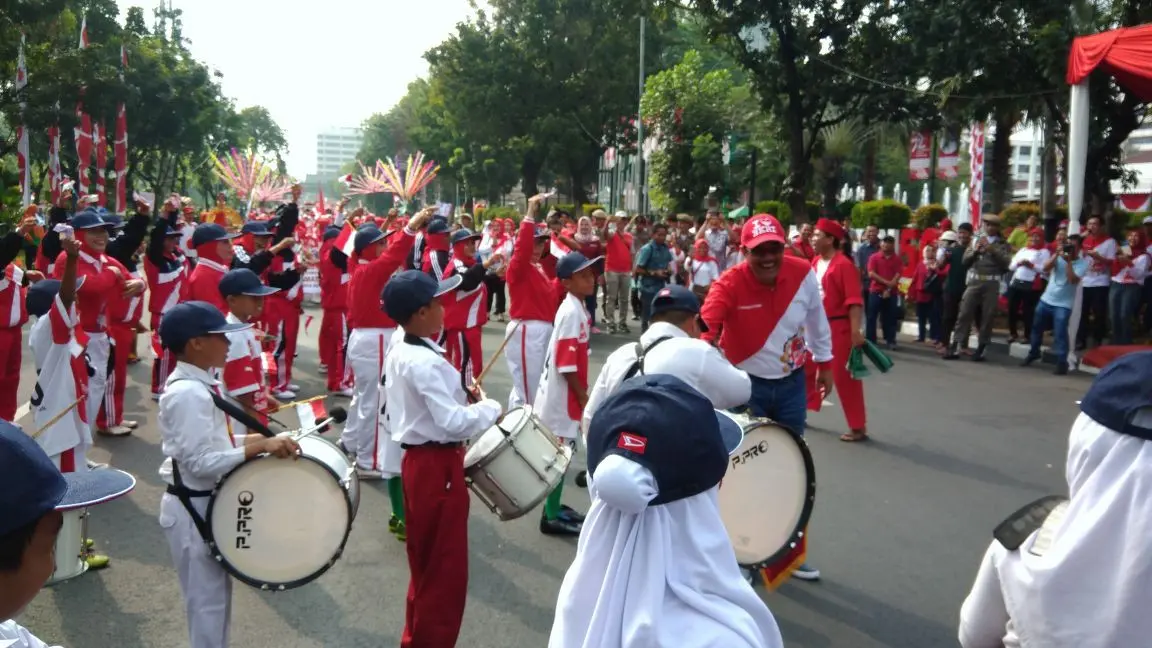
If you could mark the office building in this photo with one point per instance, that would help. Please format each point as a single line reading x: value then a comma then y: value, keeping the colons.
x: 335, y: 148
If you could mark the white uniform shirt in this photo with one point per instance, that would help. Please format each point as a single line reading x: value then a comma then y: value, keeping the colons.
x: 703, y: 273
x: 567, y: 353
x: 14, y: 635
x: 244, y: 371
x: 696, y: 362
x: 426, y: 402
x: 1024, y: 273
x: 1135, y: 273
x: 58, y: 358
x: 194, y: 432
x: 1099, y: 273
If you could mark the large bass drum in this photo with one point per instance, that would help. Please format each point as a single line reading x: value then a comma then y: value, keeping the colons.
x: 768, y: 492
x: 277, y: 524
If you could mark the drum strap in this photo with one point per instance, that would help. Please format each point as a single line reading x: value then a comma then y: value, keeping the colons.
x: 641, y: 351
x: 416, y: 340
x: 1012, y: 532
x: 185, y: 495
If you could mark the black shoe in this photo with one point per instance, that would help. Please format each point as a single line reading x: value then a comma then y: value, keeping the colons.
x: 559, y: 526
x: 1061, y: 370
x: 1030, y: 359
x: 979, y: 355
x: 951, y: 355
x: 582, y: 479
x: 570, y: 514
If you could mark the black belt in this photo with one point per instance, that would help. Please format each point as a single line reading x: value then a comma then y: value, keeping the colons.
x: 433, y: 444
x: 837, y: 317
x: 180, y: 491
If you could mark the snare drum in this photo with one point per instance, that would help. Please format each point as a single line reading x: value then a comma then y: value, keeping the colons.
x: 277, y: 524
x: 767, y: 494
x: 515, y: 464
x: 70, y: 549
x: 84, y: 490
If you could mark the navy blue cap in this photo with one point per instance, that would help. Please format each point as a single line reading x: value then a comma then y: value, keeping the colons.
x: 256, y: 228
x: 42, y: 294
x: 409, y: 291
x: 464, y: 234
x: 365, y: 236
x: 542, y: 231
x: 661, y: 423
x: 210, y: 233
x: 677, y: 298
x: 193, y: 319
x: 331, y: 232
x: 574, y: 262
x: 1119, y: 392
x: 243, y: 281
x: 88, y: 219
x: 111, y: 220
x: 438, y: 225
x: 30, y: 486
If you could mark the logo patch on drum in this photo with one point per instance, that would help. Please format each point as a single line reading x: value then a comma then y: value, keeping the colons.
x: 243, y: 517
x: 632, y: 442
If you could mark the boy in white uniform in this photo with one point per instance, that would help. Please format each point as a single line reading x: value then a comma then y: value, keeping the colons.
x: 563, y: 391
x: 200, y: 447
x: 244, y: 377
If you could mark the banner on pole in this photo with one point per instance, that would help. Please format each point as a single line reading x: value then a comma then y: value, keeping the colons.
x: 920, y: 155
x: 976, y: 177
x: 948, y: 157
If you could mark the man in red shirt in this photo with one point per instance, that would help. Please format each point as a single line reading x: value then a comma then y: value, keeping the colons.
x: 884, y: 270
x: 213, y: 246
x: 534, y: 301
x: 617, y: 273
x: 843, y: 304
x: 766, y: 315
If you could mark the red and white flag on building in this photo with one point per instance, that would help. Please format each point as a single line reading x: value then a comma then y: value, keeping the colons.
x: 83, y: 131
x: 976, y: 177
x: 22, y: 151
x: 310, y: 413
x: 100, y: 137
x: 920, y: 155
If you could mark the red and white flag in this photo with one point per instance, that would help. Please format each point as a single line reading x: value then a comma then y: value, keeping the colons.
x: 55, y: 176
x: 120, y: 145
x: 83, y: 131
x: 976, y: 174
x: 311, y: 413
x: 346, y: 239
x: 557, y: 248
x: 22, y: 132
x: 100, y: 137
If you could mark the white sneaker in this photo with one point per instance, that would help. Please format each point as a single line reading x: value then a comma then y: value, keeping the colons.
x: 96, y: 465
x: 115, y: 431
x: 155, y: 396
x: 322, y: 370
x: 293, y: 387
x: 284, y: 395
x: 131, y: 425
x: 341, y: 393
x: 806, y: 572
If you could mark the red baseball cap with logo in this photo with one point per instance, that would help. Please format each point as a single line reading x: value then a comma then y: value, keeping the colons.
x: 760, y: 229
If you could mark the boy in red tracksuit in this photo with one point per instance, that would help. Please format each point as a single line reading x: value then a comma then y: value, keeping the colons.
x: 464, y: 309
x: 13, y: 315
x: 167, y: 273
x: 214, y: 253
x: 282, y: 309
x: 334, y: 278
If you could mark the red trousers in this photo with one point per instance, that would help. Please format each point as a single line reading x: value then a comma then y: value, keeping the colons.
x: 436, y: 517
x: 122, y: 335
x: 334, y: 348
x: 850, y: 392
x: 164, y: 363
x: 462, y: 348
x: 11, y: 354
x: 282, y: 319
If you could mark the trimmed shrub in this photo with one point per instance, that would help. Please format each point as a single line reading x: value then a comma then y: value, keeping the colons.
x: 844, y: 210
x: 1016, y: 214
x: 780, y: 210
x: 884, y: 214
x: 930, y: 215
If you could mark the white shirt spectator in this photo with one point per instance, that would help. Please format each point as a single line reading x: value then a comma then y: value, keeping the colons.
x: 1022, y: 272
x: 702, y: 273
x: 1099, y: 273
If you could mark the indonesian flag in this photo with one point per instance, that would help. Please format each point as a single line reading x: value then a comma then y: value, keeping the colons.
x: 311, y: 413
x: 21, y: 132
x: 320, y: 201
x: 83, y: 131
x: 100, y: 136
x: 55, y: 176
x: 120, y: 145
x: 346, y: 240
x: 557, y: 248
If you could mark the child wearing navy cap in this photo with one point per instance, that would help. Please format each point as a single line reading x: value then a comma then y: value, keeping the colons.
x: 431, y: 419
x: 201, y: 447
x: 244, y: 377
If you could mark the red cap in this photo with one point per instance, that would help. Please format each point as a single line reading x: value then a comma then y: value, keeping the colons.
x: 831, y: 228
x: 761, y: 228
x: 946, y: 224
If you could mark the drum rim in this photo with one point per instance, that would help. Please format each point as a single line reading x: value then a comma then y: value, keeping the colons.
x: 809, y: 494
x: 505, y: 442
x: 214, y: 549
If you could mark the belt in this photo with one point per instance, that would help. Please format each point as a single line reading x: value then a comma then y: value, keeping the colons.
x: 433, y: 444
x: 837, y: 317
x: 972, y: 276
x: 179, y: 491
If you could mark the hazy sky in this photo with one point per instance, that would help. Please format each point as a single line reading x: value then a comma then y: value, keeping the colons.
x: 316, y: 65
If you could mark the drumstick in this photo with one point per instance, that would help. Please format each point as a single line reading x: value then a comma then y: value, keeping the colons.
x: 53, y: 420
x: 295, y: 403
x: 499, y: 350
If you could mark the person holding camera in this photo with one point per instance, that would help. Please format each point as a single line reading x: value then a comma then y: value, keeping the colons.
x: 1065, y: 269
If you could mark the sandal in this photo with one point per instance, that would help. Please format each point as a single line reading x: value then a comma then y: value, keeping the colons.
x: 854, y: 436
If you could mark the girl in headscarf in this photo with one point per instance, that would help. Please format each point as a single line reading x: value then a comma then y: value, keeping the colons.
x: 591, y: 247
x: 703, y: 269
x: 926, y: 291
x: 1129, y: 272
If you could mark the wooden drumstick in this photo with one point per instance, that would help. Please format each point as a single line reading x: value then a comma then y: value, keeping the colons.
x: 298, y: 402
x: 56, y: 418
x: 492, y: 362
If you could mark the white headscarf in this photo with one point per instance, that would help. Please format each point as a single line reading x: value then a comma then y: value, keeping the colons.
x: 1092, y: 587
x: 656, y: 576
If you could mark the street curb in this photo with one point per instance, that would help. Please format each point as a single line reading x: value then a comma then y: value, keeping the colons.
x: 1016, y: 350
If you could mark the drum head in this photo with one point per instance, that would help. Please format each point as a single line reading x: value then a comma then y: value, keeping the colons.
x: 767, y: 494
x: 278, y: 523
x: 488, y: 442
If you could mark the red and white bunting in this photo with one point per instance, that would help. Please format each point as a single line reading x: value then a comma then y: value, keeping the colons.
x: 976, y: 177
x: 22, y: 151
x: 100, y: 137
x: 55, y: 176
x: 82, y: 134
x: 120, y: 144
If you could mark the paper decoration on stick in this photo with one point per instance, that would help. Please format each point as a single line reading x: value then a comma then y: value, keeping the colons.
x: 369, y: 181
x: 242, y: 173
x: 417, y: 174
x: 272, y: 188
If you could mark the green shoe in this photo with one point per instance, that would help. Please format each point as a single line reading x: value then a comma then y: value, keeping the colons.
x: 97, y: 561
x: 89, y: 543
x: 396, y: 527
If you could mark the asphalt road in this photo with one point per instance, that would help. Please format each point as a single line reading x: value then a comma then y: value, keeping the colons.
x: 899, y: 526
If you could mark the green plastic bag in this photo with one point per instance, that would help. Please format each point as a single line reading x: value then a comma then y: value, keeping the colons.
x: 878, y: 358
x: 856, y: 365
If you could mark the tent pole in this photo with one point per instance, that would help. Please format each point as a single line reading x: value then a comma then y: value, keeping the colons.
x: 1077, y: 153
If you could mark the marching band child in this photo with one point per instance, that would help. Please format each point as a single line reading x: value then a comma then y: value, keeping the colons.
x: 12, y: 282
x: 464, y: 311
x: 200, y: 447
x: 244, y: 375
x: 431, y: 420
x: 534, y: 300
x: 167, y: 272
x: 213, y: 247
x: 563, y: 389
x: 334, y: 278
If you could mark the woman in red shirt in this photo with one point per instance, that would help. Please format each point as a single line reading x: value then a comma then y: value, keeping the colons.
x: 591, y: 247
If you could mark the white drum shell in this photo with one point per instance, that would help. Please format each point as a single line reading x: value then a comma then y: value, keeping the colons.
x: 279, y: 523
x: 512, y: 474
x: 70, y: 561
x: 766, y: 495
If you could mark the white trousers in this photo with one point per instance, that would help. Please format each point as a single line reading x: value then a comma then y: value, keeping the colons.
x: 525, y: 353
x: 207, y: 588
x: 98, y: 351
x: 364, y: 434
